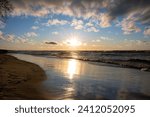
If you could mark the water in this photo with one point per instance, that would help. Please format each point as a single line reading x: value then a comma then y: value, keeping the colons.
x: 93, y: 55
x: 76, y: 79
x: 130, y: 59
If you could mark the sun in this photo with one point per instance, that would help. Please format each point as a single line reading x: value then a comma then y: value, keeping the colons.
x: 73, y: 42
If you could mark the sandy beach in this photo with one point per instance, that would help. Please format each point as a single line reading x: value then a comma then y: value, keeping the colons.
x: 32, y: 77
x: 20, y: 79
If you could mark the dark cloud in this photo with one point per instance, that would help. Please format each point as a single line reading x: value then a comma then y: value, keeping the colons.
x: 125, y: 7
x: 5, y: 9
x: 51, y: 43
x: 78, y: 8
x: 121, y: 7
x: 103, y: 12
x: 84, y: 8
x: 145, y: 17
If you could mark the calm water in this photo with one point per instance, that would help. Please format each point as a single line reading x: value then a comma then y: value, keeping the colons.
x: 75, y: 79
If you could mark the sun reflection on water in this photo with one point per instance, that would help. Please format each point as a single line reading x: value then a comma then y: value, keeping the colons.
x: 72, y: 68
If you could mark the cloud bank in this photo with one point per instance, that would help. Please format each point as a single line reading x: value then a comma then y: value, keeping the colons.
x: 101, y: 11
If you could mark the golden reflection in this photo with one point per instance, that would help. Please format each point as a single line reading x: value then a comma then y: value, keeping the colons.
x: 72, y: 68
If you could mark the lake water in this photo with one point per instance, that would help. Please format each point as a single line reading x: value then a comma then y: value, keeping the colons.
x: 75, y: 79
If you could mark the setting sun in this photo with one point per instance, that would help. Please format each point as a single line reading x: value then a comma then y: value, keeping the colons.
x: 73, y: 42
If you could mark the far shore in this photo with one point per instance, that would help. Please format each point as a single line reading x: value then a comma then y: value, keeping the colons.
x: 20, y: 79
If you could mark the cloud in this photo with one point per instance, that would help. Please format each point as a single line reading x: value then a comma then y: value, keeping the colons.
x: 92, y: 29
x: 51, y: 43
x: 8, y: 37
x: 90, y: 24
x: 55, y: 33
x: 77, y: 24
x: 101, y: 11
x: 147, y: 31
x: 128, y: 25
x: 2, y: 24
x: 104, y: 20
x: 56, y: 22
x: 66, y: 7
x: 77, y: 8
x: 31, y: 34
x: 104, y: 39
x: 29, y: 8
x: 22, y: 39
x: 96, y: 41
x: 35, y: 27
x: 18, y: 39
x: 83, y: 8
x: 125, y: 7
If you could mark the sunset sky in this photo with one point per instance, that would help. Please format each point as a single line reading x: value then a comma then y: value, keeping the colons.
x: 77, y: 25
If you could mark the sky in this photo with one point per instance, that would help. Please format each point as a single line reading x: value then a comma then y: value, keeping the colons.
x: 77, y: 25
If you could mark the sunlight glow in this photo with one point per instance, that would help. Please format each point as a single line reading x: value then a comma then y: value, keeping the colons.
x: 73, y: 42
x: 72, y: 67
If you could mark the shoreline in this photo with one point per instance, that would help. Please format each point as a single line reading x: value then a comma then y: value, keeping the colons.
x: 58, y: 85
x: 103, y: 57
x: 20, y: 79
x: 142, y: 65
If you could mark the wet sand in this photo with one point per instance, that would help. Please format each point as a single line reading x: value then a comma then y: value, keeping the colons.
x: 20, y: 79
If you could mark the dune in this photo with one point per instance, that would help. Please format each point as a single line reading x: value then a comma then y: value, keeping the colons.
x: 20, y: 79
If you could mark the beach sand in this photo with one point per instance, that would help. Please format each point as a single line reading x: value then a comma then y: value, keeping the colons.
x: 20, y: 79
